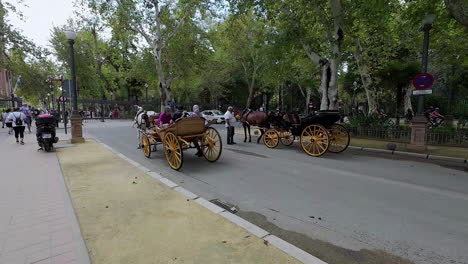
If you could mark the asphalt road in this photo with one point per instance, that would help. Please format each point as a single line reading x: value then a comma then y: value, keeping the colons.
x: 413, y: 209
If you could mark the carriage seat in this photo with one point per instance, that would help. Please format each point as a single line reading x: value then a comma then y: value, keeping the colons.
x: 186, y: 126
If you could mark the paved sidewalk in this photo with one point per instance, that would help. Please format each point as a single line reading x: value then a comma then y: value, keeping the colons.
x: 37, y: 221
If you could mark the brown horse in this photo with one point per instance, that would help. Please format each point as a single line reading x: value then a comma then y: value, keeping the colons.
x: 254, y: 118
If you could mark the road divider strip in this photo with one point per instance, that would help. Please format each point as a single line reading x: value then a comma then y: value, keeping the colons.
x: 277, y: 242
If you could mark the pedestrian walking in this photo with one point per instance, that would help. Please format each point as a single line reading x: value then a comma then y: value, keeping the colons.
x: 26, y: 110
x: 4, y: 116
x: 230, y: 119
x: 18, y: 121
x: 8, y: 122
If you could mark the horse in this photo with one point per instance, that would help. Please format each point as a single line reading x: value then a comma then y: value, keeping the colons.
x: 141, y: 121
x: 253, y: 118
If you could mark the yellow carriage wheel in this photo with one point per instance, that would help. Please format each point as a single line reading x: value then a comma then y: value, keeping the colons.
x: 146, y: 146
x: 314, y: 140
x: 212, y: 145
x: 287, y: 138
x: 339, y: 138
x: 271, y: 138
x: 173, y: 151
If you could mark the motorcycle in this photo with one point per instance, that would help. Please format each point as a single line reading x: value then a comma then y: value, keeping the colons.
x: 45, y: 132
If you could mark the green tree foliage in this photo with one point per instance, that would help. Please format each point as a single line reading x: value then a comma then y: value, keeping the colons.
x: 235, y: 52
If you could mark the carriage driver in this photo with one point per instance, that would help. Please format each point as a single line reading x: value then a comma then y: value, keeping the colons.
x: 230, y: 120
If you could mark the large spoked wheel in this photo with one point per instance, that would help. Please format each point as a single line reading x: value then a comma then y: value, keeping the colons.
x: 146, y: 146
x: 339, y: 138
x: 287, y: 138
x: 212, y: 145
x: 173, y: 151
x: 315, y: 140
x: 271, y: 138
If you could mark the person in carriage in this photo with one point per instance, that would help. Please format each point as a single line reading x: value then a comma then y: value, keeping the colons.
x: 197, y: 113
x: 178, y: 113
x: 165, y: 119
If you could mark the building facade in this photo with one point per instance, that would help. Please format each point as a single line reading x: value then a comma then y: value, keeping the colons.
x: 5, y: 84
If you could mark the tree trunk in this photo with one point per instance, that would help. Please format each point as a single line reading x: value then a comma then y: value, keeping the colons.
x: 306, y: 95
x: 250, y: 79
x: 159, y: 45
x: 338, y: 36
x: 399, y: 99
x: 333, y: 85
x: 366, y: 79
x: 459, y: 10
x: 407, y: 99
x: 371, y: 101
x: 251, y: 93
x: 324, y: 85
x: 97, y: 59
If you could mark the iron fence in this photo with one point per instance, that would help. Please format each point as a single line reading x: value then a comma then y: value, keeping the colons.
x: 457, y: 138
x: 396, y: 135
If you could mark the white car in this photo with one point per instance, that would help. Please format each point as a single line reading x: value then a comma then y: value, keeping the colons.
x: 214, y: 114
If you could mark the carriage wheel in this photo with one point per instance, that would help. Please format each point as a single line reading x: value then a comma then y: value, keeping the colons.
x: 146, y: 146
x: 339, y: 138
x: 314, y: 140
x: 271, y: 138
x: 287, y: 138
x: 212, y: 145
x: 173, y: 151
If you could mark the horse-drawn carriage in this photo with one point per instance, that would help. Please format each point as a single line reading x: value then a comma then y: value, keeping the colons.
x: 317, y: 133
x: 180, y: 136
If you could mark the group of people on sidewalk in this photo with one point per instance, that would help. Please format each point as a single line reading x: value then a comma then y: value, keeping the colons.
x: 18, y: 119
x: 16, y: 122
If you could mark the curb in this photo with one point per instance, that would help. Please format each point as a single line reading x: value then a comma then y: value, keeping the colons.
x: 282, y: 245
x: 411, y: 154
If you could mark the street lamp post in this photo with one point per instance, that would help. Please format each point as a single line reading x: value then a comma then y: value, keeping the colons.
x: 76, y: 120
x: 52, y: 92
x: 146, y: 86
x: 426, y: 27
x: 102, y: 106
x: 419, y: 123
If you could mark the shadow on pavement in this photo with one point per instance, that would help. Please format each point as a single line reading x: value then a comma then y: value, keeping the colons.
x: 325, y: 251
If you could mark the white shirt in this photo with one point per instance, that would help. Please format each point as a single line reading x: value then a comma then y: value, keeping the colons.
x: 5, y: 115
x: 229, y: 118
x: 16, y: 115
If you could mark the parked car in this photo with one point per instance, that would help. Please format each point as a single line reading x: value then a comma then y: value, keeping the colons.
x: 214, y: 114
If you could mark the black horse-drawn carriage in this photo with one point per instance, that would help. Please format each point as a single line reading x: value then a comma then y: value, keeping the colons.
x: 317, y: 133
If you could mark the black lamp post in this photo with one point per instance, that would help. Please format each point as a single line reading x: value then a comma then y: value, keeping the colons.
x: 146, y: 86
x: 419, y: 123
x: 426, y: 27
x: 102, y: 106
x: 76, y: 120
x: 71, y: 36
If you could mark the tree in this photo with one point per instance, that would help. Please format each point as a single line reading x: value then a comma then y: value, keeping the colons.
x: 244, y: 38
x: 158, y: 22
x: 398, y: 76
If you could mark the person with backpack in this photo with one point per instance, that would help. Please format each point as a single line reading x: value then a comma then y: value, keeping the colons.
x: 8, y: 122
x: 18, y: 121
